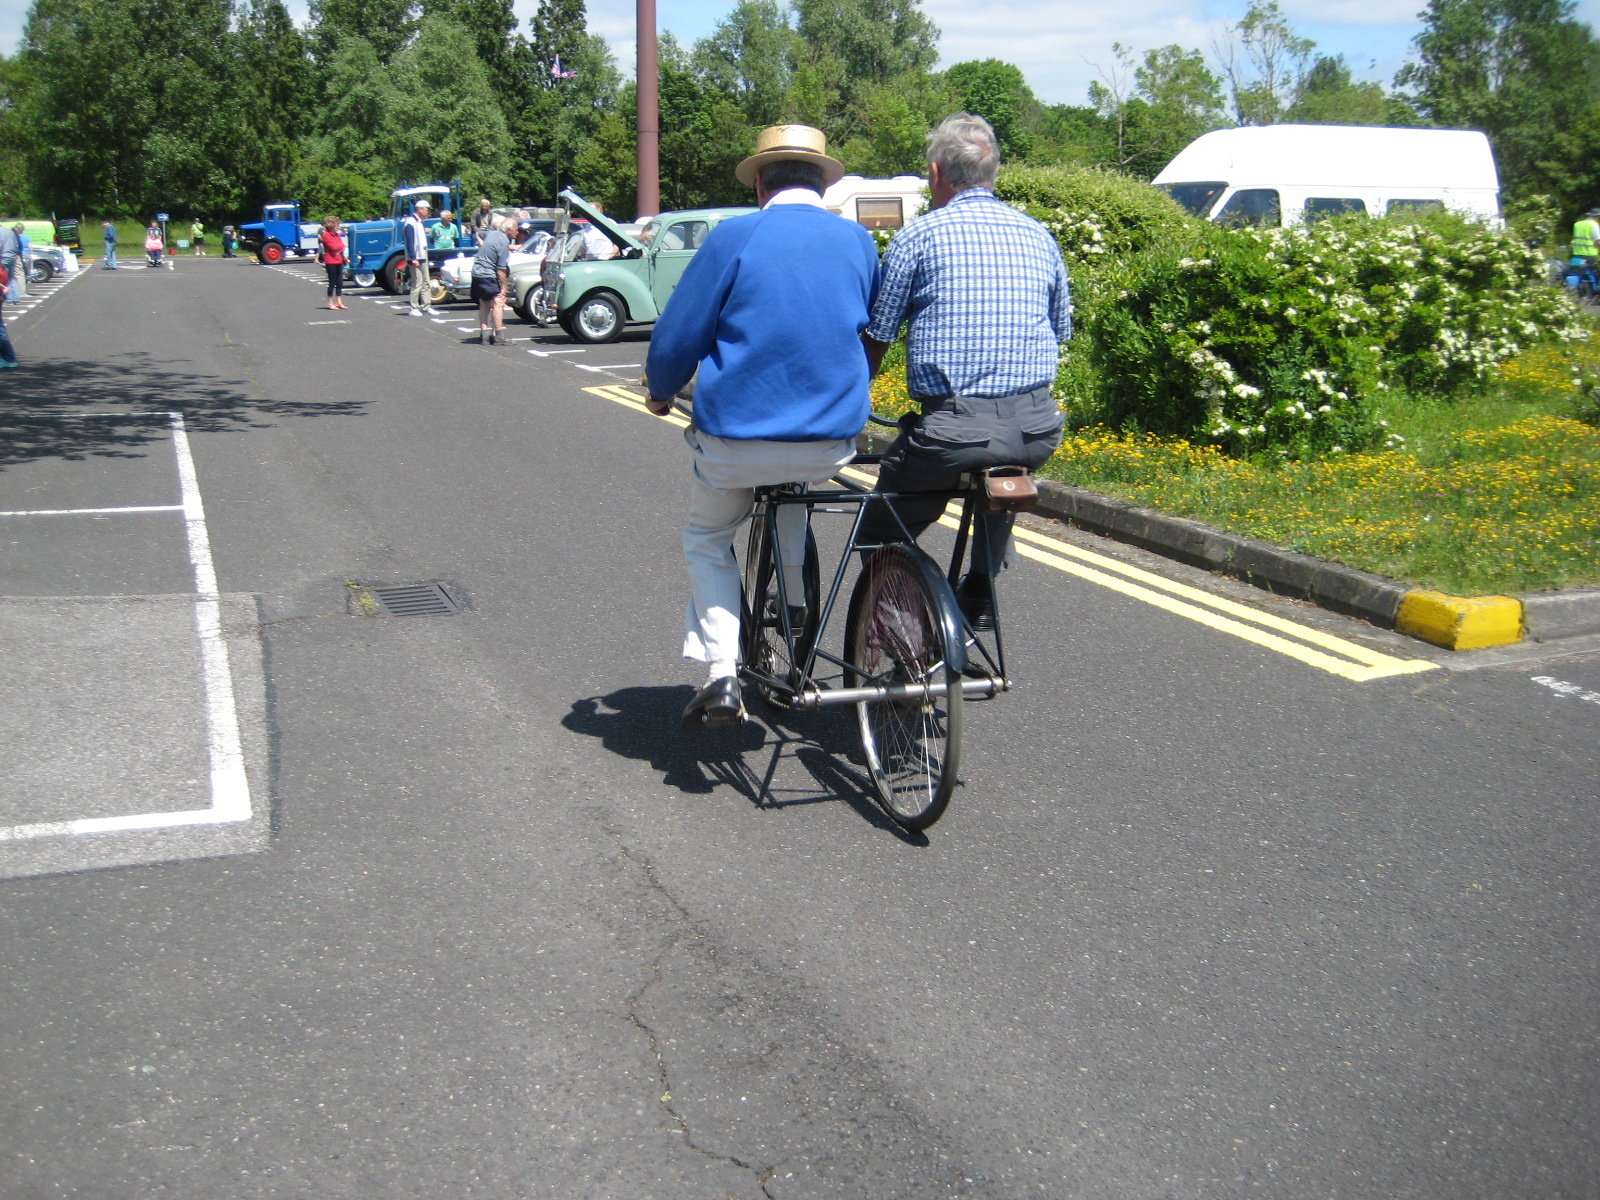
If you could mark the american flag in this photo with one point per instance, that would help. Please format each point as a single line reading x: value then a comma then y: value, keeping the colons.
x: 558, y: 73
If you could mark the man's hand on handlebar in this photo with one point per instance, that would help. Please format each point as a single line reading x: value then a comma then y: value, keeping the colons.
x: 657, y: 407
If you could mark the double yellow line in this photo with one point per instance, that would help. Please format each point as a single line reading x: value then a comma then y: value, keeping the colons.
x: 1335, y: 655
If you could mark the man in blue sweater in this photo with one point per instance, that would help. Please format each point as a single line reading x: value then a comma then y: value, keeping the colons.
x: 770, y: 311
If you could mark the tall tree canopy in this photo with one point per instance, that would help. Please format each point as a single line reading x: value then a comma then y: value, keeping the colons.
x: 1524, y: 72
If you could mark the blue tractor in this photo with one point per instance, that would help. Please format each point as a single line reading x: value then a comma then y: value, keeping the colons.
x: 280, y: 232
x: 377, y: 250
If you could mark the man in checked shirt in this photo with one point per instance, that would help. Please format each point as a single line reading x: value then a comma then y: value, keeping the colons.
x: 985, y: 292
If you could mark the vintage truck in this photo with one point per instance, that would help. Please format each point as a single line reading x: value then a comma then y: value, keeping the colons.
x: 377, y: 247
x: 594, y: 298
x: 281, y: 232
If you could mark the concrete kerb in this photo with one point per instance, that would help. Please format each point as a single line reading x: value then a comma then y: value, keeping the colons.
x: 1454, y: 622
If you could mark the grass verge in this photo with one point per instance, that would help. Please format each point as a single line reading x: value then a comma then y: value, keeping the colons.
x: 1497, y: 491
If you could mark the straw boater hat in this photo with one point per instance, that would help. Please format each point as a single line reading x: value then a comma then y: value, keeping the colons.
x: 790, y: 143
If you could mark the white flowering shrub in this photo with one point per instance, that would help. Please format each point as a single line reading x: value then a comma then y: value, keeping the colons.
x: 1284, y: 339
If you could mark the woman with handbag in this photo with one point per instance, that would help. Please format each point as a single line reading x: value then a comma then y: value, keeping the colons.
x: 330, y: 253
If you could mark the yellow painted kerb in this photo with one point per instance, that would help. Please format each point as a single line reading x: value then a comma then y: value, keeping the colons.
x: 1461, y: 622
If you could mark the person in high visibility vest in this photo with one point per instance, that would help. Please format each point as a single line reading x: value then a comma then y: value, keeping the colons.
x: 1586, y: 237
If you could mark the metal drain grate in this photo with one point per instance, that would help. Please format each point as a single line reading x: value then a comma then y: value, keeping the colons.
x: 414, y: 600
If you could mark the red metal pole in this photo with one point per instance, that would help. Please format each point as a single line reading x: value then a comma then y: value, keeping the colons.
x: 649, y: 123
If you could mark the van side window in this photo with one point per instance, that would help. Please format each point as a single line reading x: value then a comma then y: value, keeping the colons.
x: 881, y: 212
x: 1319, y: 207
x: 1401, y: 208
x: 1252, y: 206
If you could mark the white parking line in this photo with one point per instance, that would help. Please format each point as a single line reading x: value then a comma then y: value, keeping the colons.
x: 80, y: 512
x: 230, y: 787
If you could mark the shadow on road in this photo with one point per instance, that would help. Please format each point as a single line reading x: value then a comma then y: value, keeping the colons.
x: 642, y: 723
x: 36, y: 399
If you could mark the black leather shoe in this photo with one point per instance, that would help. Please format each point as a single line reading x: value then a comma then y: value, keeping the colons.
x: 718, y: 705
x: 975, y: 595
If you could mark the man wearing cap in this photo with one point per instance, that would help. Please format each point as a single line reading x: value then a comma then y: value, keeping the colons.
x: 770, y: 311
x: 416, y: 235
x: 984, y: 291
x: 1586, y: 237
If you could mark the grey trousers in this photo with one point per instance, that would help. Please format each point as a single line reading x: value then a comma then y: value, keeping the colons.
x: 955, y: 435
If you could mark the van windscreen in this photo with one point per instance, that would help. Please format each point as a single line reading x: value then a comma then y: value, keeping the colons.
x: 1196, y: 197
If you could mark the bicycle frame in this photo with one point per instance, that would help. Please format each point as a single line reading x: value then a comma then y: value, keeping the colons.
x: 805, y: 692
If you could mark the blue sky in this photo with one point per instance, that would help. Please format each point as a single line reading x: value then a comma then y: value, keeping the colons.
x: 1061, y: 45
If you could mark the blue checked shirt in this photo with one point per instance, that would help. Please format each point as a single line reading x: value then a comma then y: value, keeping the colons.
x: 986, y: 292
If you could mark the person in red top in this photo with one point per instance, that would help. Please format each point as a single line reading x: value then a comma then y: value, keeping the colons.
x: 330, y: 253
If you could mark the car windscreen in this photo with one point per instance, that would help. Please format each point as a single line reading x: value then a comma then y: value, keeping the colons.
x: 1196, y: 197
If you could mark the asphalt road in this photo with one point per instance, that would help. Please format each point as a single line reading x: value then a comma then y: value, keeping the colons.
x: 1208, y: 917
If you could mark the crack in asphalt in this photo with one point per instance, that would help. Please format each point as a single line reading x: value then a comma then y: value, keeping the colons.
x: 763, y: 1174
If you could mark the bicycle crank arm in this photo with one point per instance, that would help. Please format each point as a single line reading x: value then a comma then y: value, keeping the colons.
x: 813, y: 698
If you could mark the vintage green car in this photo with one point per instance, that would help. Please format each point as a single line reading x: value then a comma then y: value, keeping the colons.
x: 601, y: 278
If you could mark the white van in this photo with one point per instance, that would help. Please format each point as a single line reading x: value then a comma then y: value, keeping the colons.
x: 1288, y: 174
x: 876, y: 203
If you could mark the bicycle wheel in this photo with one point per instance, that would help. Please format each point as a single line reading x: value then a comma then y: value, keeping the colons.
x: 764, y: 646
x: 901, y: 631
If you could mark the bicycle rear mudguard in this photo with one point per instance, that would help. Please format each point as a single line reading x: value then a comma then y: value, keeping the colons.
x: 951, y: 632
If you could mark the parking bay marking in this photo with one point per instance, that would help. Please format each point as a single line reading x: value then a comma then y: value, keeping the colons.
x: 1324, y: 651
x: 230, y: 787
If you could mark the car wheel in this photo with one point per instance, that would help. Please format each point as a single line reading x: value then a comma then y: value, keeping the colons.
x: 271, y: 253
x: 364, y: 278
x: 42, y: 271
x: 437, y: 292
x: 530, y: 304
x: 391, y: 276
x: 598, y: 318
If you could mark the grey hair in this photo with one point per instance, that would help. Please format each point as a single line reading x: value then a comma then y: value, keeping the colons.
x: 965, y: 149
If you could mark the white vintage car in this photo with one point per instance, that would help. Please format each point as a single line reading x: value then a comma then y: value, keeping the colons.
x: 456, y: 274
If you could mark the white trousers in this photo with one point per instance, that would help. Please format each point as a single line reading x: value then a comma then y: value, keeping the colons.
x: 721, y: 495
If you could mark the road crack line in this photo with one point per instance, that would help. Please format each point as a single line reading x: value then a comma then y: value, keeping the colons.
x: 763, y: 1174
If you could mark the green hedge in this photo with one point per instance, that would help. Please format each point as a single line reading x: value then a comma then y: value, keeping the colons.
x: 1290, y: 340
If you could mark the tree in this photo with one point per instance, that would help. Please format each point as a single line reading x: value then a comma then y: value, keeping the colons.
x: 444, y: 121
x: 997, y: 92
x: 704, y: 135
x: 387, y: 24
x: 854, y: 45
x: 897, y: 117
x: 277, y: 86
x: 358, y: 96
x: 1182, y: 100
x: 133, y: 107
x: 557, y: 116
x: 1264, y: 64
x: 15, y: 182
x: 1328, y: 96
x: 749, y: 57
x: 1524, y: 72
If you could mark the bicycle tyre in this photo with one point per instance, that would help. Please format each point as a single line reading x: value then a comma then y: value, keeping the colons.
x: 761, y: 629
x: 903, y: 627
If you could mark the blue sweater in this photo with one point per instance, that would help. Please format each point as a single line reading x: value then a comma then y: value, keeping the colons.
x: 771, y: 310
